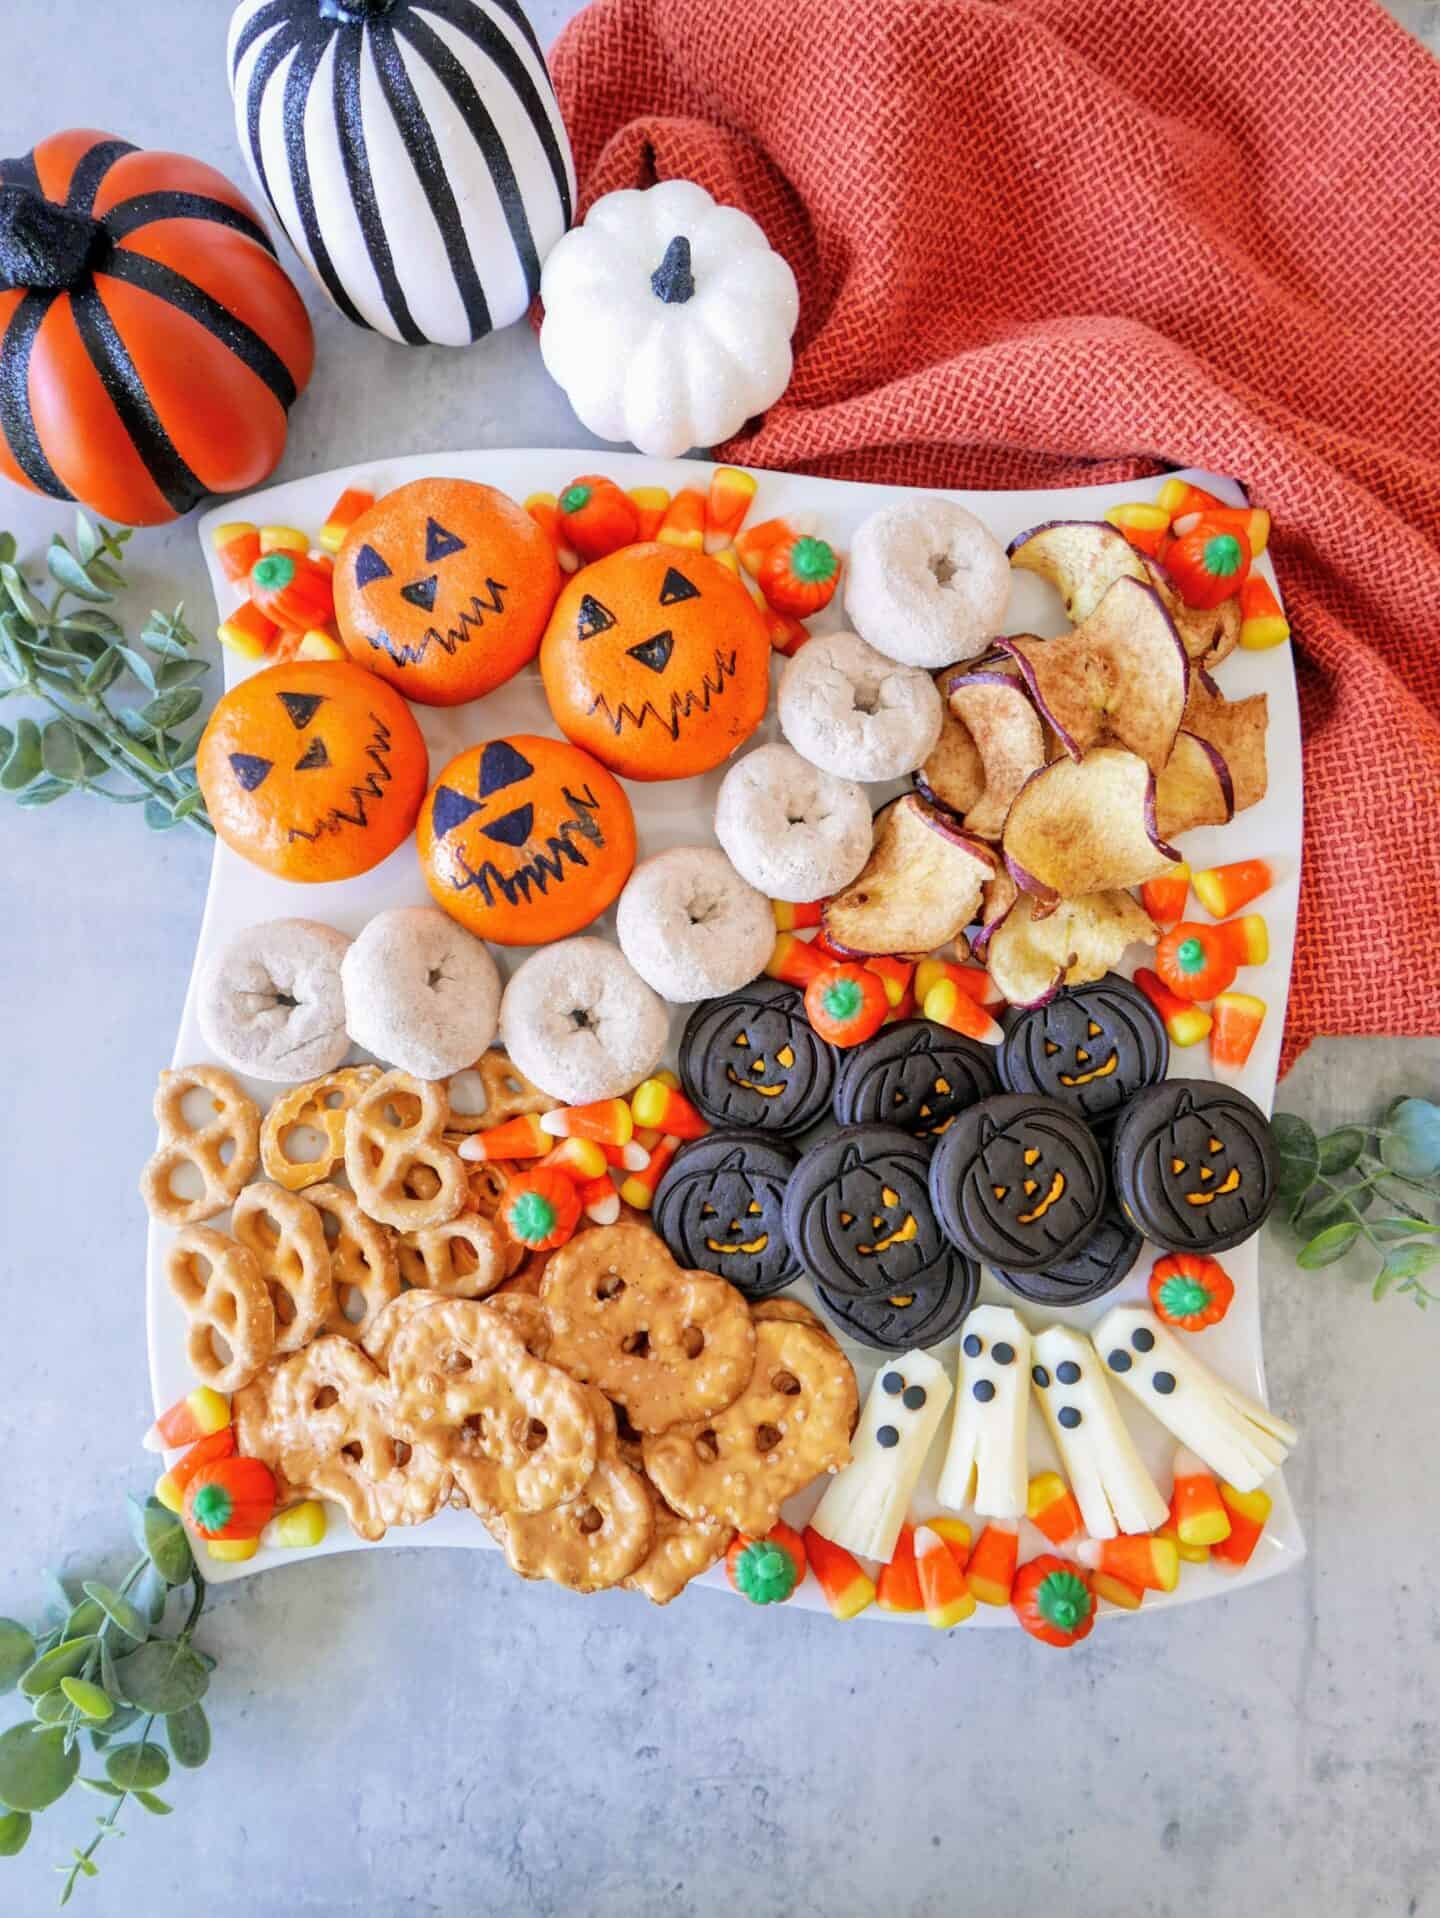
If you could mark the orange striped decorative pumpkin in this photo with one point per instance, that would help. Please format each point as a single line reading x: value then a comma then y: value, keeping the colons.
x: 151, y: 344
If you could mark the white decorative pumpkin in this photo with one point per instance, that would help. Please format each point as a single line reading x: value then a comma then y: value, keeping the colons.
x: 667, y: 319
x: 413, y: 151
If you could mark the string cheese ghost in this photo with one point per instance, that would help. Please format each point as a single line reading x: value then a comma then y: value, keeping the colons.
x: 986, y: 1465
x: 1114, y: 1491
x: 1237, y: 1437
x: 865, y: 1505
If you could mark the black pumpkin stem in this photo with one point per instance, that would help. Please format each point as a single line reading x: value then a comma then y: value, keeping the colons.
x: 672, y: 281
x: 42, y: 245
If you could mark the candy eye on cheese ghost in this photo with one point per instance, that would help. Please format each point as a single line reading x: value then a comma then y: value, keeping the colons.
x: 865, y: 1505
x: 986, y: 1464
x: 1114, y: 1491
x: 1237, y: 1437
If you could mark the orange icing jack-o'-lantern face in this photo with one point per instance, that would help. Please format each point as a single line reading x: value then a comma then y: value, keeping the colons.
x: 657, y: 661
x: 443, y: 588
x: 313, y: 770
x: 524, y: 840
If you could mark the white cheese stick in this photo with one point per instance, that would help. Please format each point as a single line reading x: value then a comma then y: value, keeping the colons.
x: 986, y: 1466
x: 865, y: 1505
x: 1238, y: 1438
x: 1114, y: 1491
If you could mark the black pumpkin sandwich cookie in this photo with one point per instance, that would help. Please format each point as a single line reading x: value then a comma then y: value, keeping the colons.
x: 915, y: 1075
x: 1092, y: 1047
x: 903, y: 1321
x: 858, y: 1213
x: 753, y: 1059
x: 1019, y: 1182
x: 1194, y: 1165
x: 1097, y: 1268
x: 720, y: 1208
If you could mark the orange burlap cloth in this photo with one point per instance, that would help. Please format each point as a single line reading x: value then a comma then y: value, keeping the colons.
x: 1045, y: 242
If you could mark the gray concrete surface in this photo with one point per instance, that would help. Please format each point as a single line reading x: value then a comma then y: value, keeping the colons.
x: 420, y: 1734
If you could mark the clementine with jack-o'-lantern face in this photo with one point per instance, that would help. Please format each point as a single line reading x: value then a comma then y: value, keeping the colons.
x: 312, y: 769
x: 657, y: 662
x: 443, y: 588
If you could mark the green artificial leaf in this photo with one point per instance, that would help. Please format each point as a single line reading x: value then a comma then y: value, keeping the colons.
x: 106, y: 670
x: 189, y: 1735
x: 51, y: 1708
x: 25, y: 760
x: 180, y: 672
x: 47, y: 1671
x: 7, y: 549
x: 91, y: 1703
x: 1405, y: 1262
x: 152, y: 1594
x: 1299, y: 1154
x: 1410, y: 1138
x: 152, y: 1803
x: 121, y: 1719
x: 165, y: 1543
x: 137, y: 1767
x: 1334, y: 1208
x: 118, y: 1609
x: 87, y: 540
x: 158, y: 816
x: 17, y: 1653
x: 172, y: 709
x: 164, y: 1676
x: 21, y: 598
x: 84, y: 1620
x: 101, y: 1787
x: 167, y: 634
x: 60, y: 749
x: 1327, y: 1246
x: 140, y: 666
x: 1405, y: 1225
x: 91, y: 629
x: 105, y: 573
x: 1340, y: 1149
x: 68, y: 572
x: 35, y: 1768
x: 14, y: 1830
x: 43, y: 793
x: 7, y: 741
x: 188, y: 803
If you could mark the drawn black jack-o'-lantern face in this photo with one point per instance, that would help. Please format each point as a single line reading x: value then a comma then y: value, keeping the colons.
x: 720, y: 1207
x: 1195, y: 1166
x: 1091, y: 1047
x: 752, y: 1058
x: 1019, y: 1181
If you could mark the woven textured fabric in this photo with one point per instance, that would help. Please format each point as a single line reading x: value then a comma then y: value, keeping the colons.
x: 1047, y: 242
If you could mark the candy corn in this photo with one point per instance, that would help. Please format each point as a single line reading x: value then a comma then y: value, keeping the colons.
x: 283, y: 539
x: 947, y: 1597
x: 684, y: 521
x: 1186, y: 1023
x: 1142, y: 523
x: 170, y: 1486
x: 544, y: 509
x: 583, y: 1159
x: 1142, y: 1559
x: 787, y: 633
x: 342, y: 516
x: 1222, y: 890
x: 196, y: 1416
x: 653, y: 1103
x: 639, y: 1188
x: 1189, y: 1554
x: 600, y: 1200
x: 952, y: 1007
x: 1252, y: 521
x: 991, y: 1571
x: 957, y: 1536
x: 607, y: 1122
x: 790, y: 917
x: 292, y: 589
x: 596, y: 517
x: 1118, y: 1591
x: 1248, y: 1514
x: 1179, y: 496
x: 1246, y: 940
x: 650, y: 503
x: 848, y: 1588
x: 1196, y: 1508
x: 796, y: 962
x: 894, y: 974
x: 247, y: 631
x: 1262, y: 622
x: 632, y: 1157
x: 730, y: 498
x: 318, y: 643
x: 754, y: 544
x: 1051, y: 1509
x: 301, y: 1527
x: 1238, y: 1018
x: 1164, y: 898
x: 520, y: 1138
x: 974, y: 981
x: 232, y: 1550
x: 897, y: 1588
x: 237, y: 547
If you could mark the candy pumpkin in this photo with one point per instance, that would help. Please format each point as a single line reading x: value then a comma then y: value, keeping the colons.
x: 151, y: 344
x: 657, y: 661
x: 443, y: 588
x: 525, y: 840
x: 313, y: 770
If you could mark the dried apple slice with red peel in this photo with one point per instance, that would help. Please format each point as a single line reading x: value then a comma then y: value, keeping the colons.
x: 995, y: 709
x: 1235, y: 729
x: 1194, y: 789
x: 920, y: 887
x: 1086, y: 825
x: 954, y: 774
x: 997, y: 898
x: 1030, y: 958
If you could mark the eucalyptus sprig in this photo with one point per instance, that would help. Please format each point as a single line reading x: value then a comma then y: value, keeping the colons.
x: 1330, y: 1187
x: 103, y: 1668
x: 69, y: 658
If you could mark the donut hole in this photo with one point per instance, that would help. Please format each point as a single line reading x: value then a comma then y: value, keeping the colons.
x: 767, y: 1437
x: 590, y: 1521
x: 942, y: 569
x: 636, y: 1345
x: 708, y: 1446
x: 692, y: 1341
x: 324, y: 1399
x: 786, y: 1383
x: 434, y: 976
x: 280, y: 997
x: 536, y: 1433
x: 579, y: 1017
x: 703, y: 908
x: 610, y: 1287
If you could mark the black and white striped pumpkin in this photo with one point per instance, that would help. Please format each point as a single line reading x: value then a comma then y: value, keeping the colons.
x: 413, y: 151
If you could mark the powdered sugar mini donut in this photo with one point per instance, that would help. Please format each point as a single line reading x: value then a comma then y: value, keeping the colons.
x: 853, y: 712
x: 928, y: 584
x: 790, y: 829
x: 421, y: 993
x: 270, y: 1004
x: 691, y: 927
x: 580, y: 1021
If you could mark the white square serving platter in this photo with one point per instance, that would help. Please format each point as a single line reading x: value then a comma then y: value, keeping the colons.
x: 679, y: 813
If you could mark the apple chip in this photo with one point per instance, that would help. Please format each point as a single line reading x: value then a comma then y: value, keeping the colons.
x: 954, y: 774
x: 1085, y: 825
x: 1122, y: 675
x: 1081, y: 558
x: 995, y: 710
x: 1236, y: 729
x: 997, y: 896
x: 1208, y: 634
x: 1194, y: 789
x: 920, y: 886
x: 1030, y: 959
